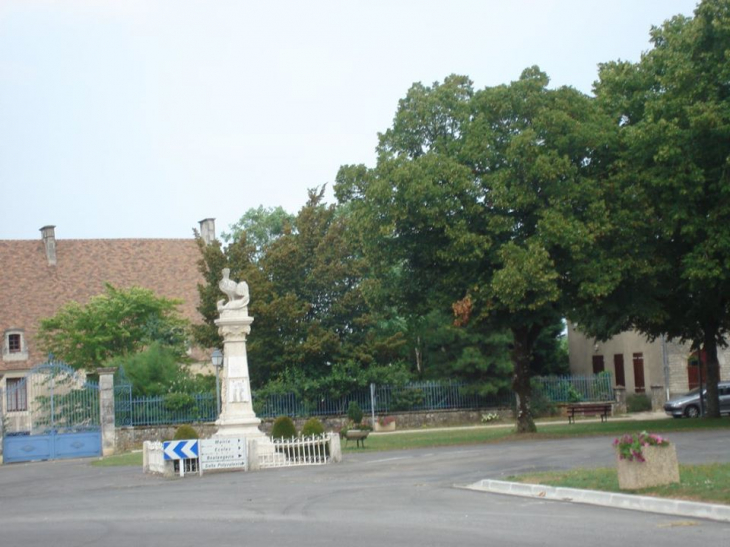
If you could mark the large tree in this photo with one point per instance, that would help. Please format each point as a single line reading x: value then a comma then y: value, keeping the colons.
x: 306, y: 297
x: 673, y: 112
x: 489, y: 202
x: 118, y: 323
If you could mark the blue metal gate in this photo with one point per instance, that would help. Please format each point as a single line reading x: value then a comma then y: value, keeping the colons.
x: 60, y: 418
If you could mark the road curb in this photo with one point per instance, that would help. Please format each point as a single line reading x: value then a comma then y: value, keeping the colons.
x: 607, y: 499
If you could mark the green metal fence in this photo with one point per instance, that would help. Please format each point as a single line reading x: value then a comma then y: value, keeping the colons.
x: 167, y: 410
x: 416, y: 396
x: 573, y: 388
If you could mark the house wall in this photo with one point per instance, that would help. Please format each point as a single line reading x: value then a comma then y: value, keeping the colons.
x: 581, y: 350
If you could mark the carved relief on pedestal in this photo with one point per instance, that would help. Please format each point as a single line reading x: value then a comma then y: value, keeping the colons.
x: 238, y: 391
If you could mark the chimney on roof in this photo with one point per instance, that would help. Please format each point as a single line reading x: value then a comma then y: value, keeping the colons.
x: 207, y: 230
x: 49, y: 240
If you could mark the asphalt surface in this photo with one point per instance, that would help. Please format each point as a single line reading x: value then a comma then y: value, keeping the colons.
x: 379, y: 498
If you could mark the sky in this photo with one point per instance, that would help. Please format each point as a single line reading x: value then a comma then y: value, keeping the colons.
x: 139, y: 118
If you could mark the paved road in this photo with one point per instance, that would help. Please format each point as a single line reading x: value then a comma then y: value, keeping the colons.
x: 384, y: 498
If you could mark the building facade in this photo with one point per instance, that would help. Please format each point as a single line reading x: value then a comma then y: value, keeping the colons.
x: 637, y: 363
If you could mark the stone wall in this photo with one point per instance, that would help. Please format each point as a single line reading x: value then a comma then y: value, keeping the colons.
x: 131, y: 438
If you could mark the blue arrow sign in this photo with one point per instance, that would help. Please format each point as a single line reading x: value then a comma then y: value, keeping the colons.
x: 180, y: 450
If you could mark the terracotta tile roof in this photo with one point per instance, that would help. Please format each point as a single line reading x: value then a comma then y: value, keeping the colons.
x: 30, y: 289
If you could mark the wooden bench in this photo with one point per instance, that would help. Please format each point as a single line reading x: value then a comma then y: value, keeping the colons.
x: 357, y: 435
x: 589, y: 409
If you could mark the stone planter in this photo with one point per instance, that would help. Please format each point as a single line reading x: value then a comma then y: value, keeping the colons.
x: 661, y: 467
x: 388, y: 427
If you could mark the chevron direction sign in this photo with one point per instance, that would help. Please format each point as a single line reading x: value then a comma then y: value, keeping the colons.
x: 180, y: 450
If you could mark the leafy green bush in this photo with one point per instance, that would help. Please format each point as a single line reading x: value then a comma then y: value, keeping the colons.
x: 406, y: 399
x: 179, y: 401
x: 638, y: 402
x: 312, y: 427
x: 542, y: 406
x: 283, y: 428
x: 185, y: 432
x: 354, y: 413
x: 158, y: 371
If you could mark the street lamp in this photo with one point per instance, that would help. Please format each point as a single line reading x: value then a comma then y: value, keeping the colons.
x: 217, y: 360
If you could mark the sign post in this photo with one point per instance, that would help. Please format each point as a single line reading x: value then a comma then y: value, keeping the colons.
x: 223, y: 453
x: 180, y: 450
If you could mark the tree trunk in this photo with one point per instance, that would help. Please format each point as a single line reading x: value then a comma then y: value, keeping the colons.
x: 713, y: 375
x: 524, y: 341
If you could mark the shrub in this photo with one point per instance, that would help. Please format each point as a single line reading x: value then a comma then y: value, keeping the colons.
x: 179, y: 401
x: 540, y: 403
x: 406, y: 399
x: 354, y: 413
x: 283, y: 428
x: 185, y: 432
x: 637, y: 402
x: 312, y: 427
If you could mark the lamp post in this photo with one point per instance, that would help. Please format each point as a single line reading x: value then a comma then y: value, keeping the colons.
x: 217, y: 360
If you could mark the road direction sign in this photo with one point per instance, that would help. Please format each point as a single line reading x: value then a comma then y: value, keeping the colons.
x: 180, y: 450
x: 223, y: 453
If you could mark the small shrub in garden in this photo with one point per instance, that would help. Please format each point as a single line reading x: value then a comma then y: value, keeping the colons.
x: 541, y: 404
x: 283, y: 428
x: 185, y: 432
x: 312, y: 427
x: 637, y: 402
x: 354, y: 413
x: 406, y: 399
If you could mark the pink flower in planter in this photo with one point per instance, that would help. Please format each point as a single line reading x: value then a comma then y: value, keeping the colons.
x: 630, y: 446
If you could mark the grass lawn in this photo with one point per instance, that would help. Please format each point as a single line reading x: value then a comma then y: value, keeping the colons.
x: 426, y: 438
x: 479, y: 435
x: 126, y: 459
x: 709, y: 483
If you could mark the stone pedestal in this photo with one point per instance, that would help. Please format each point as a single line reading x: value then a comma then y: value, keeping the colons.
x: 661, y: 467
x: 237, y: 418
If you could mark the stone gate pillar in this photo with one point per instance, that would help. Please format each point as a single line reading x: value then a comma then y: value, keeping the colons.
x: 620, y: 394
x: 658, y: 398
x: 106, y: 410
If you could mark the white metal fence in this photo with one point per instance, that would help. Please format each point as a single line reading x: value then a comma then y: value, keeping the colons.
x: 314, y: 450
x: 265, y: 452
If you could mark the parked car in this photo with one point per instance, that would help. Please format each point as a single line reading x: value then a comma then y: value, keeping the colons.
x: 689, y: 405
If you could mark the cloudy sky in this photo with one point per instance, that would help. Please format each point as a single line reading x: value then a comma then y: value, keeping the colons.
x: 138, y: 118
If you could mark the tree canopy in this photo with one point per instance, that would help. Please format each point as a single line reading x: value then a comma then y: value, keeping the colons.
x: 492, y: 214
x: 306, y: 298
x: 672, y: 113
x: 114, y: 324
x: 489, y: 202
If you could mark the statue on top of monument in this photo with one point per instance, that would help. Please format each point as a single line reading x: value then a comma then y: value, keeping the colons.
x: 237, y: 293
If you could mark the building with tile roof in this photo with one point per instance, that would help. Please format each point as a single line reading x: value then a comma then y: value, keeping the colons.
x: 37, y: 277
